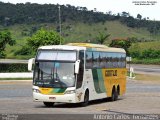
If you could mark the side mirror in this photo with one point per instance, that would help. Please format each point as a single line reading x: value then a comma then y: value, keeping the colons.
x: 30, y: 63
x: 77, y: 66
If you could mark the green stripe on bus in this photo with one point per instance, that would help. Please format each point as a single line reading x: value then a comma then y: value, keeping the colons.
x: 58, y: 90
x: 101, y: 80
x: 96, y: 81
x: 61, y: 90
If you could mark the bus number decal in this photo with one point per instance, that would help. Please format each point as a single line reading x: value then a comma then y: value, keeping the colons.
x: 110, y: 73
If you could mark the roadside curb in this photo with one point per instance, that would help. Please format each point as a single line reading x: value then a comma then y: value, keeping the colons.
x: 15, y: 81
x: 23, y: 75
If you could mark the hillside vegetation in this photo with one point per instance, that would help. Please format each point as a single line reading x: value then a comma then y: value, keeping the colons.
x: 146, y: 52
x: 28, y: 13
x: 78, y: 25
x: 81, y: 32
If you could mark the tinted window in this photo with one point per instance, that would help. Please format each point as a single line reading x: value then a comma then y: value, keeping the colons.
x: 96, y: 57
x: 88, y: 60
x: 102, y: 59
x: 105, y: 60
x: 123, y: 60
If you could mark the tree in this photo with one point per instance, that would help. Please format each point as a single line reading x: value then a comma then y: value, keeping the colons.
x: 41, y: 38
x: 139, y: 16
x: 5, y: 38
x: 101, y: 38
x: 121, y: 43
x: 125, y: 14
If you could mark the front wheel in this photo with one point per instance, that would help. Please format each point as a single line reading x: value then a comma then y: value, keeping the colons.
x: 48, y: 104
x: 86, y: 99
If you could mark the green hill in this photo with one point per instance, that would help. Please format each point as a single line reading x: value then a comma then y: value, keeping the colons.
x: 77, y: 32
x: 78, y: 25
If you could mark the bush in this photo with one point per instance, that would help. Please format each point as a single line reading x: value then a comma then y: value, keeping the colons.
x: 135, y: 54
x: 13, y: 67
x: 146, y: 61
x: 25, y: 50
x: 121, y: 43
x: 146, y: 54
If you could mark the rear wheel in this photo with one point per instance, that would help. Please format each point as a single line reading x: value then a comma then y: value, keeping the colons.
x: 48, y: 104
x: 114, y: 96
x: 86, y: 99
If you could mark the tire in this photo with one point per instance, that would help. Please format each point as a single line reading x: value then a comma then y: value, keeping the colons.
x: 48, y: 104
x: 86, y: 99
x: 114, y: 96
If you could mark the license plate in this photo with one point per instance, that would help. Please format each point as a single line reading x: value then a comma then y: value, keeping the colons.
x: 52, y: 98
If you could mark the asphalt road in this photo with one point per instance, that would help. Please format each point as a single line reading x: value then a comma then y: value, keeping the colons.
x: 146, y: 69
x: 16, y: 98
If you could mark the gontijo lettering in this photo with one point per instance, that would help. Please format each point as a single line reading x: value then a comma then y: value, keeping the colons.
x: 111, y: 73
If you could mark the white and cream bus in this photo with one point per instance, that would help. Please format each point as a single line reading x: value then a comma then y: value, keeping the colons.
x: 78, y: 73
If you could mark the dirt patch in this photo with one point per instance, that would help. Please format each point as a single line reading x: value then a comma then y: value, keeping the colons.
x: 147, y: 78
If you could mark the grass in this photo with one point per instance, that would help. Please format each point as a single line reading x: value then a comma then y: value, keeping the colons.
x: 141, y: 46
x: 150, y: 45
x: 78, y: 32
x: 147, y: 77
x: 83, y: 32
x: 119, y: 30
x: 146, y: 61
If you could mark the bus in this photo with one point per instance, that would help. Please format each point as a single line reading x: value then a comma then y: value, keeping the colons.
x: 78, y: 73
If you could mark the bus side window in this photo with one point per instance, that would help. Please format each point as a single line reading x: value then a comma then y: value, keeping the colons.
x: 114, y: 60
x: 107, y: 60
x: 96, y: 61
x: 124, y: 61
x: 102, y: 60
x: 120, y: 60
x: 89, y: 60
x: 110, y: 62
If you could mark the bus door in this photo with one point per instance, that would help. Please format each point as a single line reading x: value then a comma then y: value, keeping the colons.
x: 80, y: 76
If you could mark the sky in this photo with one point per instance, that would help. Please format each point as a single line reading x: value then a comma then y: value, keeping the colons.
x: 134, y: 7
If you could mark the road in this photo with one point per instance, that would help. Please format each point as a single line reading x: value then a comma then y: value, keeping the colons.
x: 146, y: 69
x: 16, y: 98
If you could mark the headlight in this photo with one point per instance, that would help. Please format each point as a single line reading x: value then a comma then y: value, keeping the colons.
x: 70, y: 92
x: 36, y: 90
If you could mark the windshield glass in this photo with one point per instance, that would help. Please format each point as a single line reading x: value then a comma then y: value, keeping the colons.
x: 54, y: 74
x: 56, y: 55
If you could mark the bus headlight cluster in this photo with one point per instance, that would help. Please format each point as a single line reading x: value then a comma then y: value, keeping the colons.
x: 36, y: 90
x: 70, y: 92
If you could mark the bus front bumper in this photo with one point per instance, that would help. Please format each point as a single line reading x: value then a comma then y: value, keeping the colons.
x: 64, y: 98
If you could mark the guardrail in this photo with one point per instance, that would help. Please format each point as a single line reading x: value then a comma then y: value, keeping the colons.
x: 13, y: 61
x: 18, y: 74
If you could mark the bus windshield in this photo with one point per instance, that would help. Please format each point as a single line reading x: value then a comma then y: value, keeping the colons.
x: 56, y: 55
x: 54, y: 74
